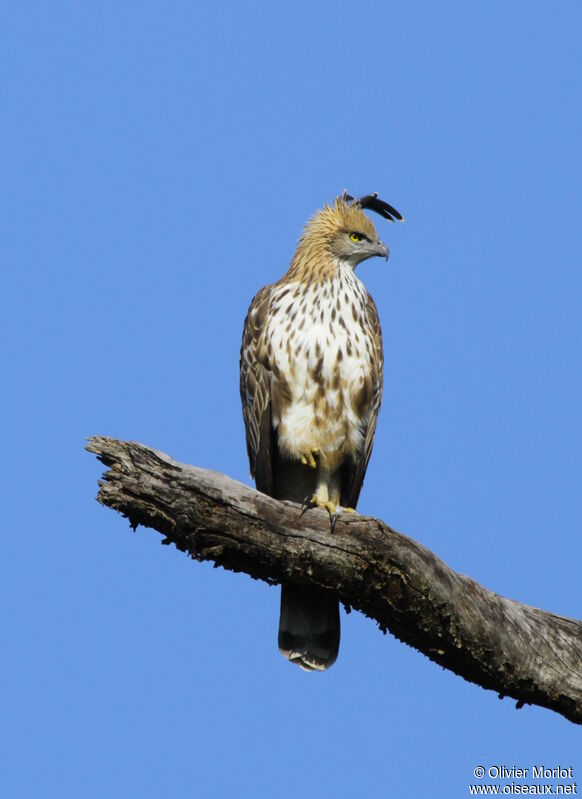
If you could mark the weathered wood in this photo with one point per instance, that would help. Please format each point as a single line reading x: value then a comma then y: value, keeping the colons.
x: 516, y: 650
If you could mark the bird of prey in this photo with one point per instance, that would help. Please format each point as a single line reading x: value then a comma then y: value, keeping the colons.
x: 311, y: 369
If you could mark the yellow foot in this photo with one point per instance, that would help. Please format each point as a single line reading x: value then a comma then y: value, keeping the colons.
x: 315, y: 502
x: 309, y: 458
x: 334, y: 510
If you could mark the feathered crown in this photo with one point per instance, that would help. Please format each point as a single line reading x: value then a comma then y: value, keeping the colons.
x: 372, y: 202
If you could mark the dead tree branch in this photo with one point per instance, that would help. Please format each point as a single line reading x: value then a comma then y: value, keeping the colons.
x: 513, y: 649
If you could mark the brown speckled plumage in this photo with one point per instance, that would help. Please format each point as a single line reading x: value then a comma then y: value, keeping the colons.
x: 311, y: 386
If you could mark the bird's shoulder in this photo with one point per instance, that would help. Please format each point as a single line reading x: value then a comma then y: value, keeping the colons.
x: 257, y: 312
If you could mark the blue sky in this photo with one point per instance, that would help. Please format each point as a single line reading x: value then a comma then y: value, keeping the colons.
x: 158, y: 163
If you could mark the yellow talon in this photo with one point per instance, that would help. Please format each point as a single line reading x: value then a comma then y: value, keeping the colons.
x: 315, y: 502
x: 309, y: 458
x: 334, y: 511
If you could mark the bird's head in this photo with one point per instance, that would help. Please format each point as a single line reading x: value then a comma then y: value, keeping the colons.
x: 345, y: 232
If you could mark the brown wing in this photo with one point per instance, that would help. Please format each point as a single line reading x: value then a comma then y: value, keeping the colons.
x: 353, y: 471
x: 255, y: 392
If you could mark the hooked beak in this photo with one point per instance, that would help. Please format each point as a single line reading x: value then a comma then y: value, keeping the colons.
x: 382, y: 250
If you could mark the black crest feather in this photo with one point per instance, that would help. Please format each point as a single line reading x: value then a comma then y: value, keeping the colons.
x: 373, y: 202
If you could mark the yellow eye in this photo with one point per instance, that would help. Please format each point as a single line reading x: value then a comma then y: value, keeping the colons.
x: 356, y: 236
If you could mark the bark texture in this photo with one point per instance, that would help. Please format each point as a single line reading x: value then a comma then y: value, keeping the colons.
x: 513, y: 649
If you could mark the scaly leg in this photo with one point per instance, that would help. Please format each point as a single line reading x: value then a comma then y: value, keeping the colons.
x: 327, y: 495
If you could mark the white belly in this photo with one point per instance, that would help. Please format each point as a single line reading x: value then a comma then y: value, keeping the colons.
x: 327, y: 361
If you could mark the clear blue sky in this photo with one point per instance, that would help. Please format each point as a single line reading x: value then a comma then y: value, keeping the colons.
x: 158, y: 163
